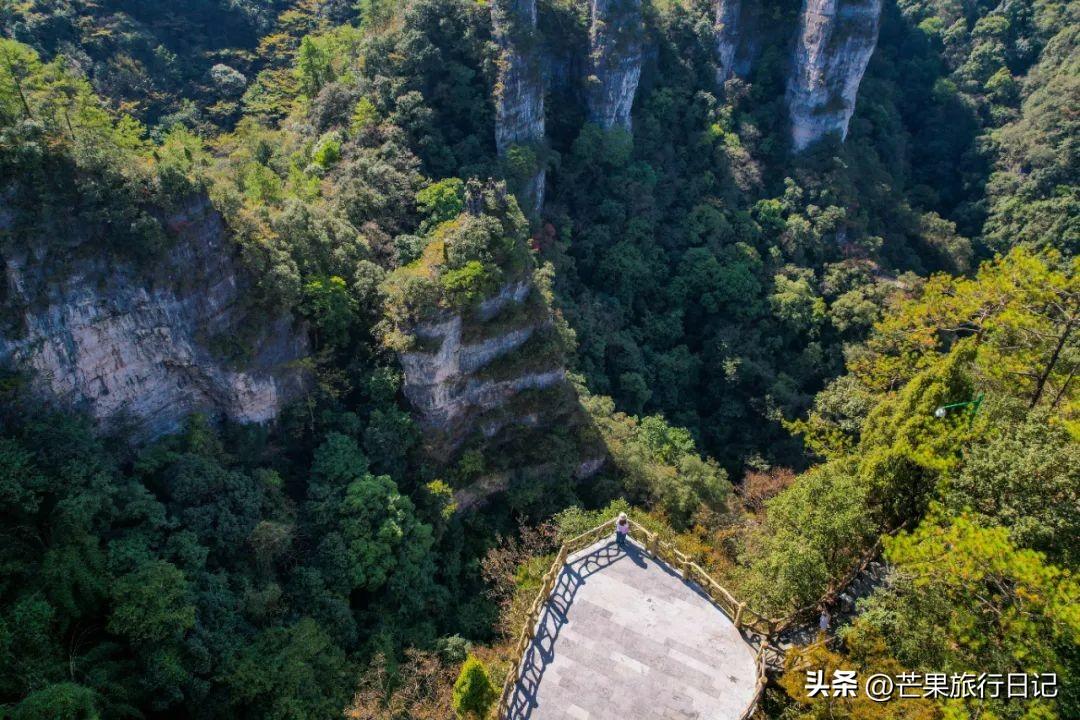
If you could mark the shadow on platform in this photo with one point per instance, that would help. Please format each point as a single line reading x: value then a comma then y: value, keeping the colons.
x: 541, y: 651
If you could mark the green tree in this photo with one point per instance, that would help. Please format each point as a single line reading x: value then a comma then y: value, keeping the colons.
x: 813, y: 532
x: 327, y: 150
x: 1021, y: 312
x: 441, y: 201
x: 313, y: 67
x: 658, y: 462
x: 20, y: 67
x: 468, y: 284
x: 1025, y: 477
x: 389, y: 437
x: 152, y: 604
x: 795, y: 302
x: 288, y: 673
x: 370, y: 537
x: 332, y: 308
x: 966, y: 597
x: 60, y: 701
x: 474, y: 695
x: 365, y: 115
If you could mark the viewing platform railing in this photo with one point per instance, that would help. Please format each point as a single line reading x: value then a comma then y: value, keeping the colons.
x: 742, y: 616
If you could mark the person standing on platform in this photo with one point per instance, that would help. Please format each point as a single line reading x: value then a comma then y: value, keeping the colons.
x: 622, y: 528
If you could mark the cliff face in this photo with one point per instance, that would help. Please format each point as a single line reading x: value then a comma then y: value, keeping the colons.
x: 519, y: 96
x: 478, y: 366
x: 835, y: 41
x: 728, y: 33
x: 129, y: 347
x: 615, y: 47
x: 740, y: 33
x: 484, y: 371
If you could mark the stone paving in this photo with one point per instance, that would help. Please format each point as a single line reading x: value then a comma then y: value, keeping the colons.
x: 624, y: 638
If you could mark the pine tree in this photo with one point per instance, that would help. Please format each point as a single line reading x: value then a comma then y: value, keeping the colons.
x: 473, y: 692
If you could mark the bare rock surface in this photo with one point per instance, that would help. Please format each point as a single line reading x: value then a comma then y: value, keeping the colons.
x: 615, y: 45
x: 835, y: 41
x: 728, y: 32
x: 135, y: 345
x: 519, y: 95
x: 446, y: 383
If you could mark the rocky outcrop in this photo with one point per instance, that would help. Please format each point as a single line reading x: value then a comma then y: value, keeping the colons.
x: 519, y: 95
x: 741, y: 28
x: 728, y: 33
x: 455, y: 384
x: 485, y: 373
x: 615, y: 46
x: 835, y: 41
x: 740, y: 34
x: 145, y: 346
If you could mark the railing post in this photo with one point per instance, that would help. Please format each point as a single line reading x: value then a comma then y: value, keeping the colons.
x: 738, y: 613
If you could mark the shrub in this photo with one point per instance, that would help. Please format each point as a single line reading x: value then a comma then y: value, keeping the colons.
x: 757, y: 487
x: 327, y: 151
x: 469, y: 284
x: 474, y: 694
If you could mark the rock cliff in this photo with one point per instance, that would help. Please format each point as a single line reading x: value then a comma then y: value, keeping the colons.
x: 475, y: 364
x: 728, y: 33
x: 145, y: 345
x: 519, y: 95
x: 615, y: 54
x: 835, y: 41
x: 484, y: 371
x: 741, y: 28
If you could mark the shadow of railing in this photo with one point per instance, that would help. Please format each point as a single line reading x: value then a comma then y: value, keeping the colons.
x: 548, y: 614
x: 541, y: 651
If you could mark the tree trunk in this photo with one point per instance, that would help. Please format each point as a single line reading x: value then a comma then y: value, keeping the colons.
x: 1041, y: 384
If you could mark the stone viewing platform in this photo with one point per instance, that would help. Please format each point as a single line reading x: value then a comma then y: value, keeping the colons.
x: 623, y: 635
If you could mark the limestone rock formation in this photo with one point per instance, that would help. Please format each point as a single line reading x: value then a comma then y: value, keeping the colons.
x: 835, y: 41
x: 519, y: 96
x: 134, y: 345
x: 615, y: 47
x: 484, y: 371
x: 465, y: 381
x: 728, y: 33
x: 742, y: 27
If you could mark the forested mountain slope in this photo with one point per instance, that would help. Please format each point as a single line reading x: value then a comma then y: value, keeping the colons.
x: 286, y: 282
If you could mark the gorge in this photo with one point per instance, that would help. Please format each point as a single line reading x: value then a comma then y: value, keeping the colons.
x: 332, y: 331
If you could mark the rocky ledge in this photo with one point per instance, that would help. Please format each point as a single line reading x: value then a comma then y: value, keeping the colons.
x: 464, y: 375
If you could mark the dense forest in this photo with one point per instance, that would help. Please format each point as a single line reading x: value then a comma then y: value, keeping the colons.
x: 755, y: 341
